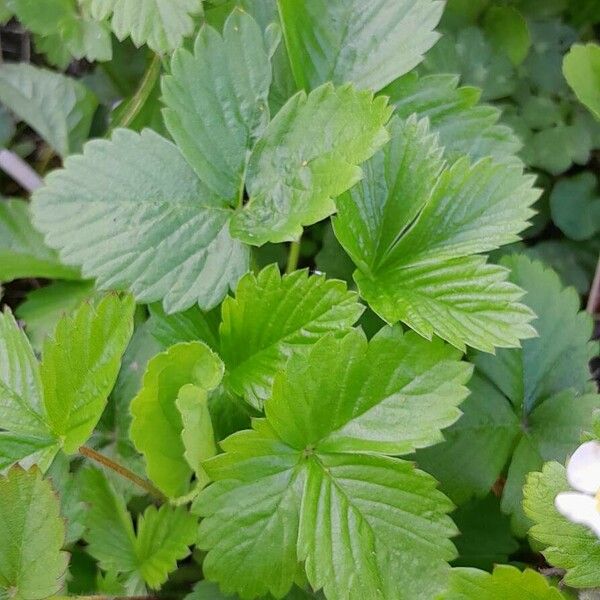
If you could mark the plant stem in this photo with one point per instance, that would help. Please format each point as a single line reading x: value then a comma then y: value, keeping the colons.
x: 135, y: 104
x: 293, y: 256
x: 594, y: 297
x: 14, y: 166
x: 123, y: 471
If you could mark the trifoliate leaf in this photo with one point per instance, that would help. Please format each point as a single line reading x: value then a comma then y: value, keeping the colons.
x: 581, y: 68
x: 575, y: 205
x: 32, y: 567
x: 343, y: 41
x: 59, y: 108
x: 161, y: 24
x: 505, y: 583
x: 161, y: 538
x: 217, y: 102
x: 527, y: 405
x: 507, y: 30
x: 271, y: 317
x: 58, y: 403
x: 169, y: 235
x: 43, y: 308
x: 23, y: 253
x: 410, y: 227
x: 308, y: 155
x: 567, y: 545
x: 485, y: 538
x: 463, y: 125
x: 173, y: 402
x: 309, y: 483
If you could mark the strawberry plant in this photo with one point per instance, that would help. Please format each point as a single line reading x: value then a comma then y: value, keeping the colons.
x: 279, y: 314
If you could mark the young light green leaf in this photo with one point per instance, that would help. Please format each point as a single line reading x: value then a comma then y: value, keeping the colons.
x: 139, y: 188
x: 161, y: 24
x: 161, y: 538
x: 346, y: 41
x: 178, y: 378
x: 309, y: 483
x: 217, y: 102
x: 43, y: 308
x: 567, y: 545
x: 411, y: 227
x: 527, y: 405
x: 59, y: 108
x: 32, y: 567
x: 271, y: 317
x: 308, y: 155
x: 581, y: 68
x: 80, y: 364
x: 505, y: 583
x: 23, y: 252
x: 463, y: 125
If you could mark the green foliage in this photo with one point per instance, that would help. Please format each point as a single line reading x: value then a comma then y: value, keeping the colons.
x: 56, y: 404
x: 567, y: 545
x: 581, y: 67
x: 505, y: 583
x: 313, y: 475
x: 526, y: 405
x: 32, y: 532
x: 413, y: 269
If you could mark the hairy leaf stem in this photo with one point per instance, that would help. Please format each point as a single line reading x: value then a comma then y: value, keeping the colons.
x: 123, y: 471
x: 293, y: 256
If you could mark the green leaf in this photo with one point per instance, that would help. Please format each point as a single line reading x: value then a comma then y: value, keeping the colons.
x: 23, y: 253
x: 575, y: 206
x: 463, y: 125
x: 271, y: 317
x: 32, y: 567
x: 567, y: 545
x: 169, y: 235
x: 581, y: 68
x: 187, y: 326
x: 59, y: 108
x: 527, y: 405
x: 485, y: 539
x: 309, y: 483
x: 80, y: 365
x: 161, y: 24
x: 505, y: 583
x: 173, y: 401
x: 217, y: 101
x: 344, y: 41
x: 43, y: 308
x: 161, y: 538
x: 308, y: 155
x: 411, y: 227
x: 507, y: 30
x: 57, y: 404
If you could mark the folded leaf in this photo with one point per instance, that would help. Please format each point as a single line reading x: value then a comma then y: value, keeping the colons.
x: 368, y: 45
x: 162, y: 24
x: 170, y: 415
x: 32, y: 566
x: 411, y: 227
x: 133, y: 214
x: 271, y: 317
x: 59, y: 108
x: 308, y: 155
x: 217, y: 102
x: 310, y: 482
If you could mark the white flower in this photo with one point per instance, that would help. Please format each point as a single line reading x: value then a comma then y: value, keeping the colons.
x: 583, y: 474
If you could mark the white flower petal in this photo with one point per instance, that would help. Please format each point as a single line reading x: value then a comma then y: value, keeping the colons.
x: 579, y: 508
x: 583, y: 468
